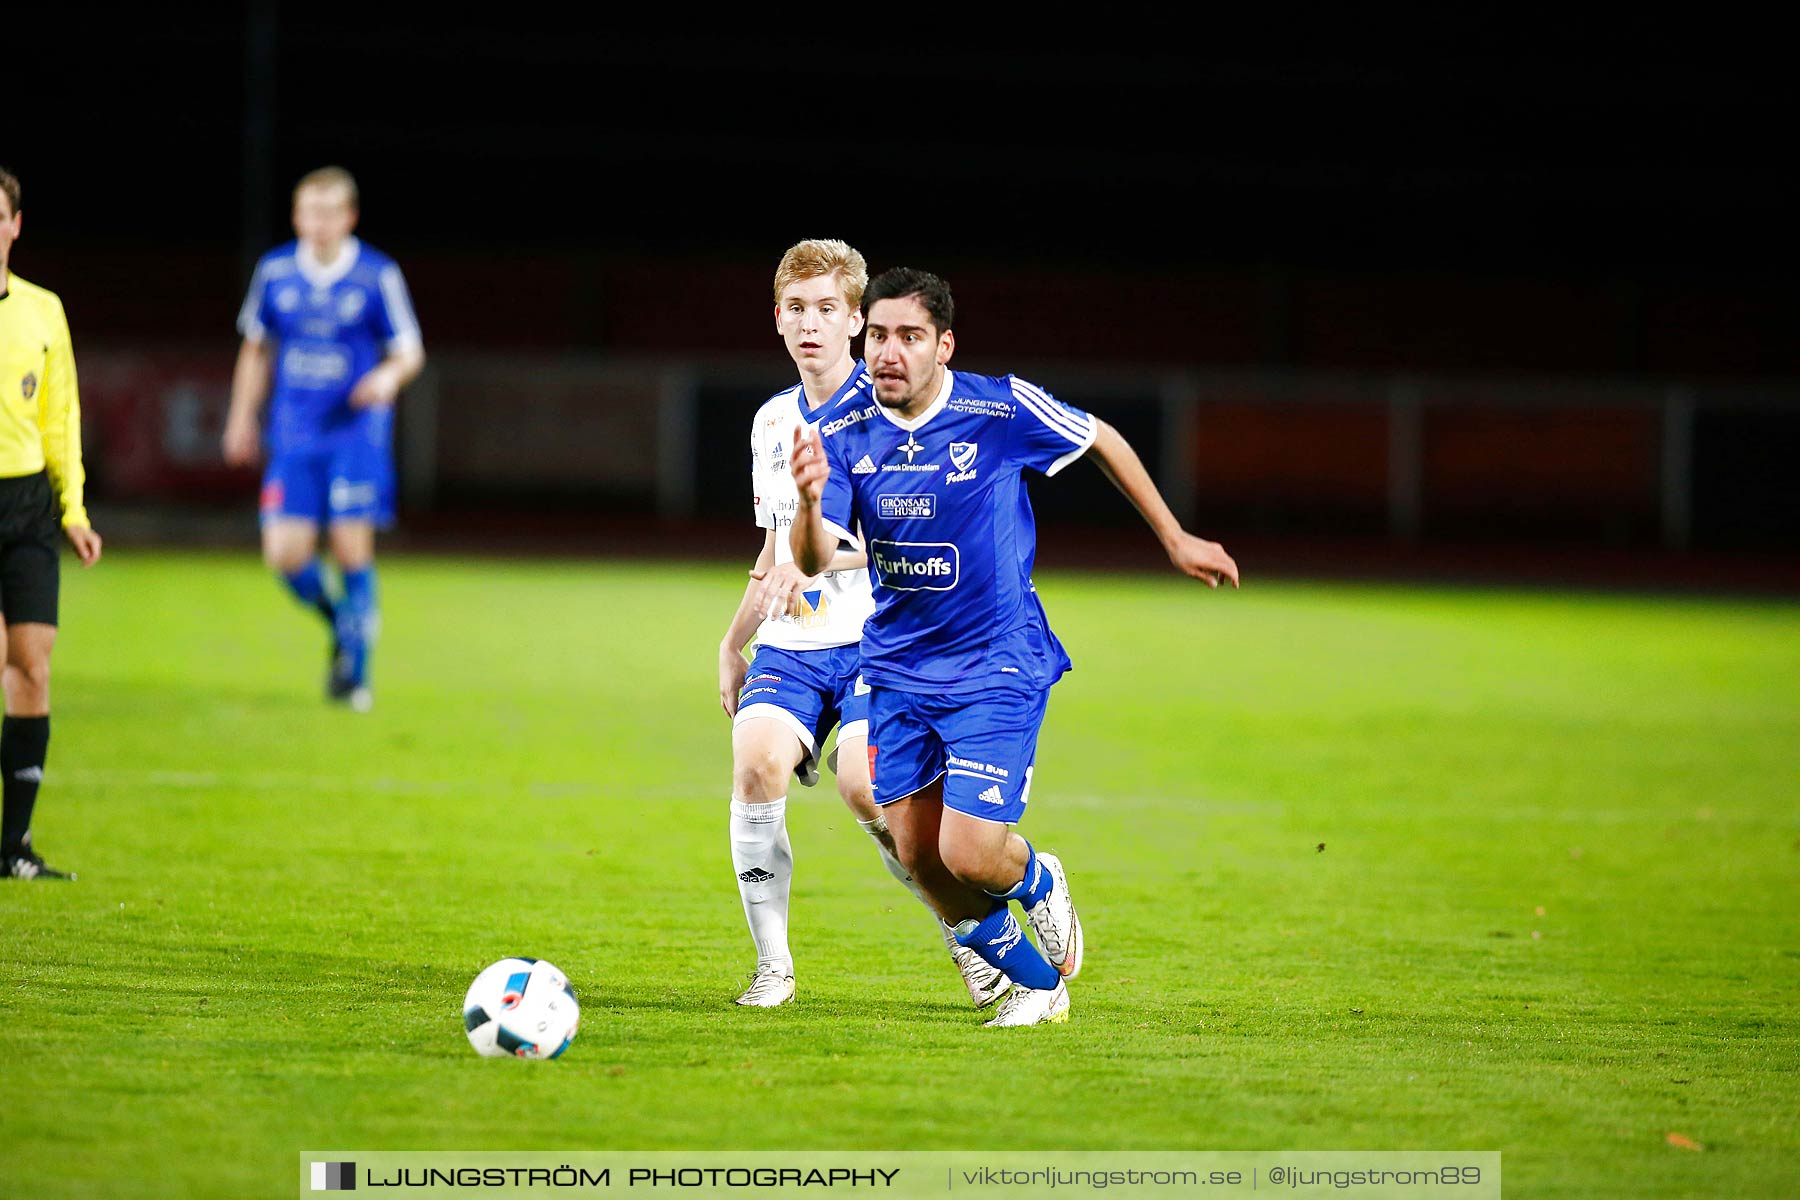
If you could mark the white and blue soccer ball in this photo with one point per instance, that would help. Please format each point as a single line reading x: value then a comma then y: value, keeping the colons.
x: 521, y: 1008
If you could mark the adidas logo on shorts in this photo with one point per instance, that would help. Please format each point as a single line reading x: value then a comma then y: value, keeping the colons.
x: 865, y: 467
x: 756, y: 875
x: 992, y: 796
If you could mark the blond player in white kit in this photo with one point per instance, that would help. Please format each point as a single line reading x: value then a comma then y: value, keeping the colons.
x: 803, y: 678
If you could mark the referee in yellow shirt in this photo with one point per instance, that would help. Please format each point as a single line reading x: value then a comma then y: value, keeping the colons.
x: 40, y: 503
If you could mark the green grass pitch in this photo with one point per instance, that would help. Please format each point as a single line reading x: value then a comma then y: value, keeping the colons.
x: 1360, y: 867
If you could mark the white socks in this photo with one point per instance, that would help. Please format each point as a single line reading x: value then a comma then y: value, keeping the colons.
x: 764, y: 862
x: 884, y: 842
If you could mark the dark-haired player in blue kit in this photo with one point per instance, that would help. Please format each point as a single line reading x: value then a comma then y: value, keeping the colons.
x: 330, y: 319
x: 959, y: 655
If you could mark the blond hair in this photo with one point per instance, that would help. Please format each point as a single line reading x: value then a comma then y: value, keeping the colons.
x: 326, y: 177
x: 824, y: 256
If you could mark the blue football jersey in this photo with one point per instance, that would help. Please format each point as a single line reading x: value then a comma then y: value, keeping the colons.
x: 330, y: 326
x: 940, y: 506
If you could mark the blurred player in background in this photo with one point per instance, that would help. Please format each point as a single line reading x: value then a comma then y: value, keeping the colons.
x: 41, y: 482
x: 958, y: 653
x: 804, y: 678
x: 329, y: 324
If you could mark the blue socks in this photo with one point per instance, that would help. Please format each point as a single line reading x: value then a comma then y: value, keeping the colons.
x: 356, y: 617
x: 998, y: 939
x: 1001, y: 943
x: 1031, y: 889
x: 308, y: 586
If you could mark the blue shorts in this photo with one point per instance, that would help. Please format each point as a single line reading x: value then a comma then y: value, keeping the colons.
x: 809, y: 691
x: 983, y: 744
x: 351, y: 482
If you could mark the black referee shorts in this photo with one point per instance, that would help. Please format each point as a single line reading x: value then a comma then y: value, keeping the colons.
x: 30, y: 550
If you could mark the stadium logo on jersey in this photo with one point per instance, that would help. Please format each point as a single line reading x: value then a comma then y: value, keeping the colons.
x: 916, y: 566
x: 865, y: 466
x: 846, y: 421
x: 907, y: 508
x: 28, y: 386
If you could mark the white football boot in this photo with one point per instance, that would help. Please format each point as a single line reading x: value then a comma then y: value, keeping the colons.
x: 1032, y: 1006
x: 1054, y: 921
x: 986, y: 982
x: 769, y: 988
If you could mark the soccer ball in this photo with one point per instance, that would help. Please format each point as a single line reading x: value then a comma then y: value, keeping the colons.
x: 523, y: 1008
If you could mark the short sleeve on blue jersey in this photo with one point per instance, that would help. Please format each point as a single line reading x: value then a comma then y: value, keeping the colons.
x: 392, y: 313
x: 253, y: 317
x: 837, y: 509
x: 1049, y: 435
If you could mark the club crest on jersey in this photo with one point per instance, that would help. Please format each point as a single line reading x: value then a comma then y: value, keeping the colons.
x: 962, y: 457
x: 28, y: 385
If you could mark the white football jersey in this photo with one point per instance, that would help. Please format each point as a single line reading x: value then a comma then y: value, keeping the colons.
x: 832, y: 614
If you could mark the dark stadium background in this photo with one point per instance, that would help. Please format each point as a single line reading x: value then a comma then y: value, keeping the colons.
x: 1472, y: 300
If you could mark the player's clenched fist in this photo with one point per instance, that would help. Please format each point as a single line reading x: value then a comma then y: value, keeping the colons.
x: 809, y: 466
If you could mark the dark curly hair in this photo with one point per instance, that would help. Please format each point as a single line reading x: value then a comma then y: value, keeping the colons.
x: 900, y: 282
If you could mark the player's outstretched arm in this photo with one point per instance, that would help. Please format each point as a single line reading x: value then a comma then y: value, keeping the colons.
x: 249, y: 388
x: 1193, y: 556
x: 732, y: 666
x: 812, y: 545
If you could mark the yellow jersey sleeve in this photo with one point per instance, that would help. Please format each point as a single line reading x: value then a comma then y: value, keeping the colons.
x: 59, y: 416
x: 58, y: 402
